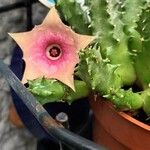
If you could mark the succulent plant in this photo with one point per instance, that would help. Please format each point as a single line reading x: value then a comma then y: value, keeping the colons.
x: 120, y: 57
x: 113, y: 64
x: 101, y: 76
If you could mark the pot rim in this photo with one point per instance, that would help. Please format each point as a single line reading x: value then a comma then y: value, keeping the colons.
x: 117, y: 127
x: 121, y: 113
x: 135, y: 121
x: 128, y: 117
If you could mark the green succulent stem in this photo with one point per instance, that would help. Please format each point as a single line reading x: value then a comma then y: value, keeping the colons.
x: 142, y: 61
x: 102, y: 77
x: 100, y: 23
x: 50, y: 90
x: 125, y: 99
x: 77, y: 17
x: 146, y: 101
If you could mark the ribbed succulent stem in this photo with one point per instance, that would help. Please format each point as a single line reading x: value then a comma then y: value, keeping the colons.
x: 98, y: 73
x: 75, y: 15
x: 100, y: 23
x: 146, y: 99
x: 142, y: 63
x: 48, y: 90
x: 115, y: 26
x: 125, y: 99
x: 101, y: 77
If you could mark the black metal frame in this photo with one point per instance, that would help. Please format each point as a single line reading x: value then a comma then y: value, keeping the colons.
x: 50, y: 125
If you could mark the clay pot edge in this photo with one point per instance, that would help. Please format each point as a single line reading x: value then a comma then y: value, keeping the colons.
x: 121, y: 113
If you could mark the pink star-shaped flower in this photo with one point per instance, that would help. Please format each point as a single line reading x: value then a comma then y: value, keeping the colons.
x: 51, y: 50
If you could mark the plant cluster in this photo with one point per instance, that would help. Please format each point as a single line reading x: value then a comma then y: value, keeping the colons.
x: 116, y: 64
x: 119, y: 59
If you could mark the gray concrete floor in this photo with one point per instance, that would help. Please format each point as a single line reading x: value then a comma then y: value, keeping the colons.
x: 12, y: 138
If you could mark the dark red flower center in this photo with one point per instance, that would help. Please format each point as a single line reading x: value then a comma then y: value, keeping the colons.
x: 53, y: 52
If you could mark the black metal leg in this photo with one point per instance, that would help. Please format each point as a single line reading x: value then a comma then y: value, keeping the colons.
x: 28, y: 4
x: 47, y: 145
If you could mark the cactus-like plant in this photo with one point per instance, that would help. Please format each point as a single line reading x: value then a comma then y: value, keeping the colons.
x: 101, y: 76
x: 115, y: 62
x: 142, y: 62
x: 75, y: 15
x: 121, y: 56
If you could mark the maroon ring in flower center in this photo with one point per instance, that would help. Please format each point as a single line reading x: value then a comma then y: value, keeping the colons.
x: 53, y: 52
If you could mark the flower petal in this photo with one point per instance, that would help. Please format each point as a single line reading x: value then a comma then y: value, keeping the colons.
x: 83, y: 41
x: 52, y: 18
x: 34, y: 45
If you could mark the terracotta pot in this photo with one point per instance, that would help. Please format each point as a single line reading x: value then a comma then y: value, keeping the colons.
x: 117, y: 130
x: 14, y: 117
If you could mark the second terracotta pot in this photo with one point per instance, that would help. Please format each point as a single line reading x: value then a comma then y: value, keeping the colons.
x: 117, y: 130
